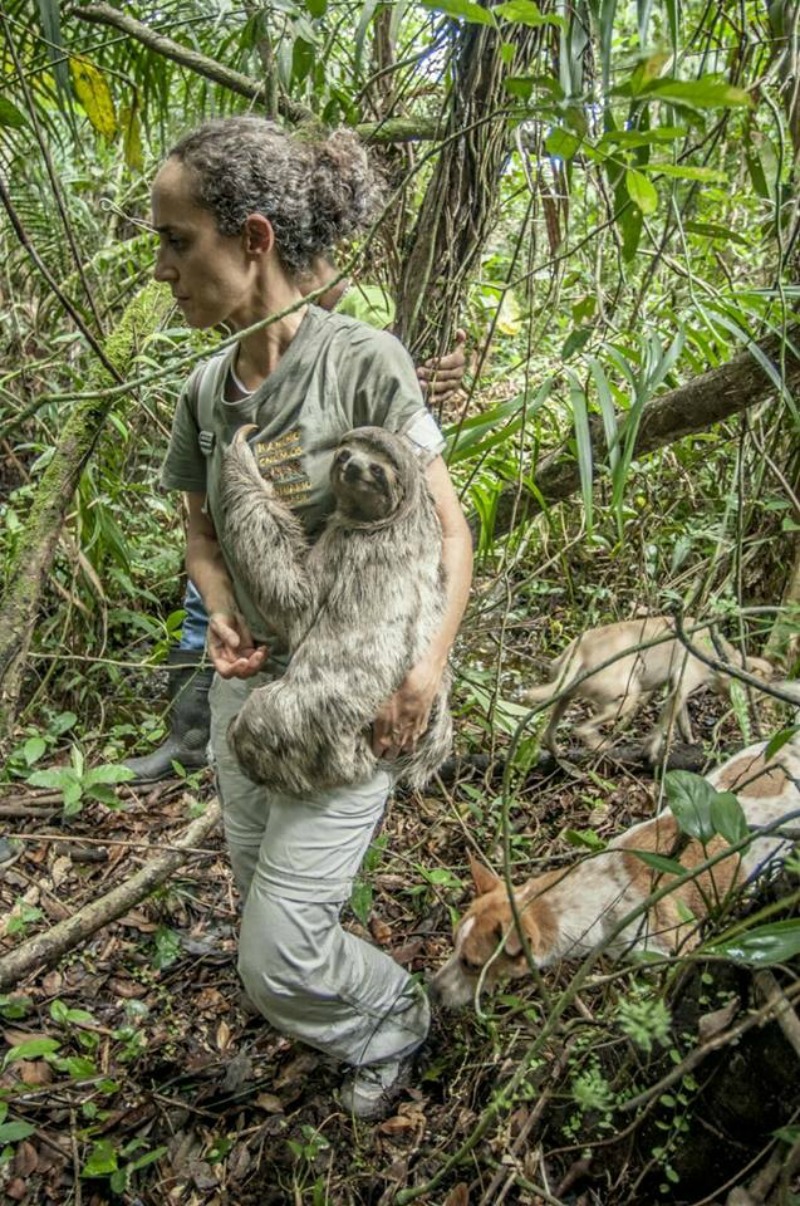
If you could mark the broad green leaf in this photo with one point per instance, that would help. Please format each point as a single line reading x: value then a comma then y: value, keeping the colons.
x: 575, y: 341
x: 641, y: 191
x: 10, y: 115
x: 368, y: 303
x: 714, y: 231
x: 31, y: 1049
x: 102, y: 1160
x: 667, y: 866
x: 111, y: 773
x: 316, y: 8
x: 760, y: 947
x: 461, y: 10
x: 779, y: 741
x: 702, y: 94
x: 690, y: 797
x: 686, y: 172
x: 727, y: 817
x: 12, y: 1132
x: 584, y: 837
x: 640, y: 138
x: 562, y: 144
x: 33, y: 749
x: 51, y: 778
x: 94, y: 94
x: 525, y: 12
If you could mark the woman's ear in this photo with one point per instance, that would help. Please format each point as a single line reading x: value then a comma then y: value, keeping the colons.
x: 259, y: 237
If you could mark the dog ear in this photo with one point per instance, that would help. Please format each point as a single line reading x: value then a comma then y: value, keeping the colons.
x: 483, y: 879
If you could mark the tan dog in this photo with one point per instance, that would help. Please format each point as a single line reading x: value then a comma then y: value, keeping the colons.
x: 568, y: 913
x: 615, y: 691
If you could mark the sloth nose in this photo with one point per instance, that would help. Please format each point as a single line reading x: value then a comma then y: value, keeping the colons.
x: 352, y: 472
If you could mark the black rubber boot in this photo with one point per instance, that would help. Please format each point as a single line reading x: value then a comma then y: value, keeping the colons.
x: 189, y: 721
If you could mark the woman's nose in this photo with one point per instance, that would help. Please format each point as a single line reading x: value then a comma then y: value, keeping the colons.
x: 163, y: 270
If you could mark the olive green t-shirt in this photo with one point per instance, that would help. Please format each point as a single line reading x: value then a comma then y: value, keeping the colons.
x: 335, y: 375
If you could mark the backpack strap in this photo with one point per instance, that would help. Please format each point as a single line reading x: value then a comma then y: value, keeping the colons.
x: 201, y: 390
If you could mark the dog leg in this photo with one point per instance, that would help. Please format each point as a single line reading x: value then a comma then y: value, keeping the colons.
x: 616, y: 709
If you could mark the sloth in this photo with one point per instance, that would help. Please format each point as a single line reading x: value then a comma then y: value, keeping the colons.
x: 357, y: 609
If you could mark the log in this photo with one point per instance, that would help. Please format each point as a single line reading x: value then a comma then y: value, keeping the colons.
x: 714, y: 396
x: 43, y: 950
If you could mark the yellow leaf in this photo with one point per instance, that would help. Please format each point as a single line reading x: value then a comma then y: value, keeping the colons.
x: 94, y: 94
x: 131, y: 138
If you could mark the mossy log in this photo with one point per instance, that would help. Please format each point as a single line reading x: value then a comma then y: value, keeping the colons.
x: 19, y: 605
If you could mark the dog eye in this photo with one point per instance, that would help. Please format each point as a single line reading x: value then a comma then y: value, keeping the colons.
x: 469, y: 965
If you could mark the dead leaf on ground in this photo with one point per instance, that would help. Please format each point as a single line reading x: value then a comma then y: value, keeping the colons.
x: 458, y: 1195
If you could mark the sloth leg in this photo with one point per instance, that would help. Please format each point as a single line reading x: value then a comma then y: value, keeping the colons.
x: 262, y: 538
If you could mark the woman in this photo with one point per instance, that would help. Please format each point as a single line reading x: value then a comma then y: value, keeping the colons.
x: 243, y: 211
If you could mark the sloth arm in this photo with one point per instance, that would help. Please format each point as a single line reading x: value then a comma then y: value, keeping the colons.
x: 407, y: 712
x: 230, y: 643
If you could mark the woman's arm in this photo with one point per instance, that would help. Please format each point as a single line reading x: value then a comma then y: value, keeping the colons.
x: 404, y: 718
x: 230, y: 642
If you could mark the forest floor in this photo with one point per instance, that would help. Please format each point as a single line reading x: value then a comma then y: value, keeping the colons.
x: 134, y: 1071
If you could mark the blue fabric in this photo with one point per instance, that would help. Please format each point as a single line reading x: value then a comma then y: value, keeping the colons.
x: 193, y: 631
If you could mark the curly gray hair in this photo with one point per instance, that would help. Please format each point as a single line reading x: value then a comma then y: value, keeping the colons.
x: 315, y: 192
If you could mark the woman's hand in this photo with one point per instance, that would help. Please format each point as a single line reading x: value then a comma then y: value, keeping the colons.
x: 404, y: 717
x: 231, y: 646
x: 441, y: 376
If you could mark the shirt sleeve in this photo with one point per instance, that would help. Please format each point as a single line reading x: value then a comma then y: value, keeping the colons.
x: 388, y: 394
x: 184, y: 466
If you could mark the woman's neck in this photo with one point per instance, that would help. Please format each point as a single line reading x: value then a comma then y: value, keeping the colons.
x: 259, y: 353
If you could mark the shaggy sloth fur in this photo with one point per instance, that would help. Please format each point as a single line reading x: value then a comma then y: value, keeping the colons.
x: 357, y: 610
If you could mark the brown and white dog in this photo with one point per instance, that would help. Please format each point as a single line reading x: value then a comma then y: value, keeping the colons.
x: 616, y: 690
x: 566, y: 914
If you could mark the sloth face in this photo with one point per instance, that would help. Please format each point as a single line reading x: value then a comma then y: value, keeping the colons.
x: 365, y: 482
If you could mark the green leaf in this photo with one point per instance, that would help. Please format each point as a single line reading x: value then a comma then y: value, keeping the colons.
x: 690, y: 797
x: 12, y: 1132
x: 713, y: 231
x: 31, y: 1049
x: 10, y: 115
x: 316, y: 8
x: 687, y: 172
x: 110, y: 773
x: 102, y: 1160
x: 583, y: 443
x: 33, y: 749
x: 584, y: 837
x: 562, y: 144
x: 525, y: 12
x: 667, y: 866
x: 575, y: 341
x: 760, y: 947
x: 461, y: 10
x: 641, y: 191
x: 57, y: 778
x: 779, y: 741
x: 727, y: 817
x: 361, y: 901
x: 702, y: 94
x: 370, y: 304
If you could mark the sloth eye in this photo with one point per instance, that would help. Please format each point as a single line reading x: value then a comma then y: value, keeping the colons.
x: 342, y: 456
x: 379, y: 473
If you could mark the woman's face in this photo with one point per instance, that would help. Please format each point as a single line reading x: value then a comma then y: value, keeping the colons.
x: 212, y: 277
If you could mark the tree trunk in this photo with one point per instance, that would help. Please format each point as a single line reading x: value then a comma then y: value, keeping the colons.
x: 695, y: 406
x: 21, y: 598
x: 460, y: 202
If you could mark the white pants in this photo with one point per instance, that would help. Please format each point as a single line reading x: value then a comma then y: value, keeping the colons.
x: 294, y: 860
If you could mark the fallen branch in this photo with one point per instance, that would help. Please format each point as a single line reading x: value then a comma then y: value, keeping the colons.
x: 43, y: 950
